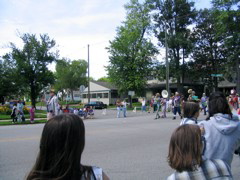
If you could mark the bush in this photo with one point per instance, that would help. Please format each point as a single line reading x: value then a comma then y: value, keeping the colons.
x: 26, y: 110
x: 5, y: 110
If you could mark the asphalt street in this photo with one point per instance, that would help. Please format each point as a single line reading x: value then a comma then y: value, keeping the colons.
x: 132, y: 148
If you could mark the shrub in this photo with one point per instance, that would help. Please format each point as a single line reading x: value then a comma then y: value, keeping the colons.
x: 5, y: 110
x: 26, y: 110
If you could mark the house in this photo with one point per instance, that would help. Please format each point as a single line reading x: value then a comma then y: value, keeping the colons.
x: 101, y: 91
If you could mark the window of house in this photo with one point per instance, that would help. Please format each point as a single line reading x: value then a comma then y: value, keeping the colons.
x: 84, y: 95
x: 105, y: 95
x: 76, y: 95
x: 99, y: 95
x: 94, y: 95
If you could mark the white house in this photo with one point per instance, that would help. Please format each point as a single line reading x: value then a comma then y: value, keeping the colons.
x: 101, y: 91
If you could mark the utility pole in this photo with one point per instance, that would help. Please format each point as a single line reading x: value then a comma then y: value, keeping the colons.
x: 167, y: 64
x: 88, y: 77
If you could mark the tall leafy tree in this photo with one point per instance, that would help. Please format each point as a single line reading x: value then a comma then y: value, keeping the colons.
x: 131, y: 52
x: 209, y: 55
x: 172, y: 19
x: 31, y: 62
x: 70, y: 75
x: 227, y: 15
x: 10, y: 81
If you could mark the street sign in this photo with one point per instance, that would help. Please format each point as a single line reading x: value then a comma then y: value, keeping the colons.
x: 82, y: 88
x: 131, y: 93
x: 216, y: 75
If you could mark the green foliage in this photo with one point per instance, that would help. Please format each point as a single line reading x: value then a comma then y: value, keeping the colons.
x: 131, y: 51
x: 104, y: 79
x: 30, y: 63
x: 171, y: 24
x: 70, y: 75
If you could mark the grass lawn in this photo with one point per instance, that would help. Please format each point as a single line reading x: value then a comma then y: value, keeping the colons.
x: 5, y: 123
x: 41, y: 111
x: 4, y: 116
x: 37, y: 104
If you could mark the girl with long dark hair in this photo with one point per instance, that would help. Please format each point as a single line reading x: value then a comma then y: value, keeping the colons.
x: 61, y: 147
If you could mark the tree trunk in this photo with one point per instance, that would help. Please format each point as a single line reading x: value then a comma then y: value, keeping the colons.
x: 2, y: 100
x: 183, y: 69
x: 72, y: 95
x: 33, y: 97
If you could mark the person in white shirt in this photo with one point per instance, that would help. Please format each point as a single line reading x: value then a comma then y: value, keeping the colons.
x: 52, y: 105
x: 143, y: 105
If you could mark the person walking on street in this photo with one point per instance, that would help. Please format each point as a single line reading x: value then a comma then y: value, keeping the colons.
x: 124, y: 104
x: 119, y: 108
x: 176, y: 105
x: 204, y: 103
x: 158, y: 101
x: 164, y: 107
x: 143, y: 105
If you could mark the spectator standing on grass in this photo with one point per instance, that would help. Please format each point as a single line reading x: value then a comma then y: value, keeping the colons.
x: 52, y: 104
x: 222, y: 129
x: 14, y: 113
x: 20, y: 114
x: 32, y: 114
x: 61, y: 147
x: 185, y: 156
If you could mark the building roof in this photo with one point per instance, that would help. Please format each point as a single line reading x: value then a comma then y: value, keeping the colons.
x: 105, y: 84
x: 226, y: 84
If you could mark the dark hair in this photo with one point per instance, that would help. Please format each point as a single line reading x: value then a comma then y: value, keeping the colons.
x: 61, y: 147
x: 218, y: 104
x: 190, y: 109
x: 185, y: 148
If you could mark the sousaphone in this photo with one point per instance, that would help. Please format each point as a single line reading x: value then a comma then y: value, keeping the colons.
x: 164, y: 93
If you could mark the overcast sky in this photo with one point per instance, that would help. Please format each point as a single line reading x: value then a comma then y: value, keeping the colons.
x: 73, y: 24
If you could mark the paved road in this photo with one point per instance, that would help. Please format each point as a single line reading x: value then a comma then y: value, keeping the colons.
x: 126, y: 148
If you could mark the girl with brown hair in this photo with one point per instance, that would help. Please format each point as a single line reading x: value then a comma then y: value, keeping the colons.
x: 185, y: 156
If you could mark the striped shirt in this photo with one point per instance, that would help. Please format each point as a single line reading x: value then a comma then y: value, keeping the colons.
x: 210, y: 169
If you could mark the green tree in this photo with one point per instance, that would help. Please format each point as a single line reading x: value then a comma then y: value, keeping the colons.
x: 172, y: 19
x: 104, y: 79
x: 227, y: 15
x: 209, y: 55
x: 31, y: 63
x: 131, y: 52
x: 10, y: 82
x: 70, y: 75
